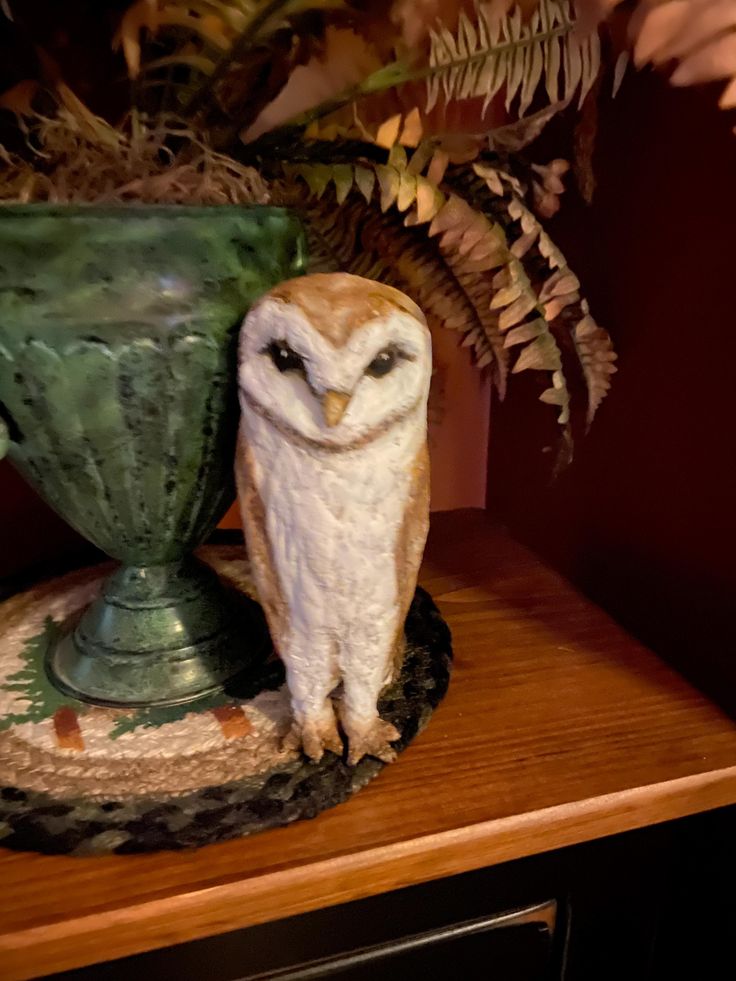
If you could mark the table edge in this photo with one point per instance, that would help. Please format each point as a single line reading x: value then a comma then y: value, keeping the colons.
x: 66, y: 944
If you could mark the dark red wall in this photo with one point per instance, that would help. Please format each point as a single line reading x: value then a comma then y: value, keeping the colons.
x: 30, y: 533
x: 645, y: 519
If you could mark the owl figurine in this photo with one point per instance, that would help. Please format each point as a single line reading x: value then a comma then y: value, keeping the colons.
x: 333, y: 483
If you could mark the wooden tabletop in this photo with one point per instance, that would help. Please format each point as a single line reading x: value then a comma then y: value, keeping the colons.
x: 558, y: 728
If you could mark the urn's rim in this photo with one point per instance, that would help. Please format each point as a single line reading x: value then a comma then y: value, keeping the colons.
x: 134, y: 209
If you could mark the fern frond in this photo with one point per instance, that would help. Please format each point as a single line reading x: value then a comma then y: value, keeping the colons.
x: 452, y: 279
x: 597, y: 358
x: 542, y: 268
x: 466, y: 234
x: 525, y: 313
x: 388, y: 233
x: 472, y: 247
x: 490, y: 54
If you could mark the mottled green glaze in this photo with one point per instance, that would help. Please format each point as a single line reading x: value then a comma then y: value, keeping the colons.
x: 118, y: 330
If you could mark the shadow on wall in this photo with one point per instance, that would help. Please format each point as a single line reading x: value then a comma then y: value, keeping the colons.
x: 645, y: 519
x: 30, y: 532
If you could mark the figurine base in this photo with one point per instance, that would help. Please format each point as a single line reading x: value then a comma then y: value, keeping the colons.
x: 83, y: 780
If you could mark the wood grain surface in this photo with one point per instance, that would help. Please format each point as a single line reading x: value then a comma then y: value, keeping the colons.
x: 558, y: 728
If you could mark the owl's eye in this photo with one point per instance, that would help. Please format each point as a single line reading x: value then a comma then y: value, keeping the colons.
x: 383, y: 362
x: 284, y: 357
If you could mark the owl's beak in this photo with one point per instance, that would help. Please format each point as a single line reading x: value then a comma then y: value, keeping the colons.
x: 334, y: 405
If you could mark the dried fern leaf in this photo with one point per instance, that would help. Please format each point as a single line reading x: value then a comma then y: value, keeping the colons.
x: 462, y: 231
x: 541, y: 354
x: 536, y: 296
x: 597, y: 358
x: 365, y: 181
x: 388, y: 132
x: 488, y: 55
x: 622, y: 63
x: 714, y: 61
x: 658, y: 29
x: 526, y: 332
x: 558, y: 395
x: 700, y: 34
x: 455, y: 246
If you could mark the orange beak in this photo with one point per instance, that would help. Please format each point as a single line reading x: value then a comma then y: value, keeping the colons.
x: 334, y: 405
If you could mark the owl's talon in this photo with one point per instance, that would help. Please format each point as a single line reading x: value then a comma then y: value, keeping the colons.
x: 373, y: 741
x: 314, y: 738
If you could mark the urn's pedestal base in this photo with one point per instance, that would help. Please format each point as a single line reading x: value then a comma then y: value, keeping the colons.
x: 159, y: 635
x: 82, y: 779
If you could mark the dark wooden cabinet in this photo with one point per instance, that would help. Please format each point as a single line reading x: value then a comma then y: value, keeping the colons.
x: 649, y: 905
x: 515, y: 946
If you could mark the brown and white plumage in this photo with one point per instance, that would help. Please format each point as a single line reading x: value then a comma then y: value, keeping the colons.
x: 334, y: 484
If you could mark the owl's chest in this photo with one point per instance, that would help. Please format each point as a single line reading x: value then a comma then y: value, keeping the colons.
x: 334, y: 511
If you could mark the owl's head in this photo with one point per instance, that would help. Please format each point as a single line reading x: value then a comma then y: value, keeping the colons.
x: 334, y: 359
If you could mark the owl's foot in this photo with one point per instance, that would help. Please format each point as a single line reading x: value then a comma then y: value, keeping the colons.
x: 314, y: 736
x: 373, y: 741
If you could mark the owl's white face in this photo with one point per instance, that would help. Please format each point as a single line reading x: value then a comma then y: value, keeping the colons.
x: 333, y: 395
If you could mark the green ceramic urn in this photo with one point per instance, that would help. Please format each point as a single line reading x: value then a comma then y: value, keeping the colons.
x: 118, y: 331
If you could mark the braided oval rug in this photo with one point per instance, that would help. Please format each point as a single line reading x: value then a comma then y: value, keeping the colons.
x: 82, y: 780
